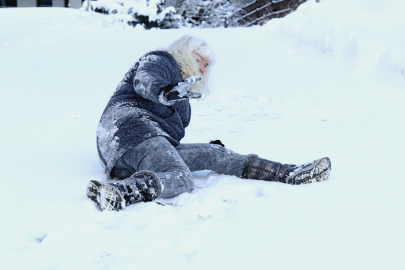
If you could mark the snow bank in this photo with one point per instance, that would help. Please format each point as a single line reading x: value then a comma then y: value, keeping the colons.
x: 368, y: 33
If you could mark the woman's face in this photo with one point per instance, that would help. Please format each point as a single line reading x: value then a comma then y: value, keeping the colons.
x: 202, y: 63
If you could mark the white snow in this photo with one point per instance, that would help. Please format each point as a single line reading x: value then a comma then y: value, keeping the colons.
x: 326, y: 80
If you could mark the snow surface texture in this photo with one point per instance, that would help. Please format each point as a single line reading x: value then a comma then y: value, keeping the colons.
x: 324, y: 81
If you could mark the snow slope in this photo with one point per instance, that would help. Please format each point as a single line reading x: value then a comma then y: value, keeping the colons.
x: 326, y: 80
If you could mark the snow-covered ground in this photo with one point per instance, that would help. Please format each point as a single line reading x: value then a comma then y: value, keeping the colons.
x: 327, y: 80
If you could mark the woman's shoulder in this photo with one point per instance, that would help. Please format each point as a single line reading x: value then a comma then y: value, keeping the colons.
x: 160, y: 60
x: 158, y: 55
x: 162, y: 52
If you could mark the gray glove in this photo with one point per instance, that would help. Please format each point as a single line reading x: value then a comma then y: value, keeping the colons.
x: 180, y: 91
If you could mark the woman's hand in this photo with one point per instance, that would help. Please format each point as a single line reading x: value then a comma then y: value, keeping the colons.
x: 193, y: 94
x: 182, y: 88
x: 180, y: 91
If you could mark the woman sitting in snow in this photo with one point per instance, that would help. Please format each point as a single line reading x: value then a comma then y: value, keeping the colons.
x: 138, y: 137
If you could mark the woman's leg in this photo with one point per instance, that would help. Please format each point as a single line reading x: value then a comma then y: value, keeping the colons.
x: 158, y: 155
x: 222, y: 160
x: 173, y: 165
x: 204, y: 156
x: 155, y: 162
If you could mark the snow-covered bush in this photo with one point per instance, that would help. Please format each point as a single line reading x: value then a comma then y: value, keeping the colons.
x: 210, y: 13
x: 171, y: 13
x: 148, y: 13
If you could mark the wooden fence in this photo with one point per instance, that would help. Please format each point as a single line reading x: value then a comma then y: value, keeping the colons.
x: 260, y: 11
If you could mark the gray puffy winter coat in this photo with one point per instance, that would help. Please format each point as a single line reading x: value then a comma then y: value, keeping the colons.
x: 134, y: 113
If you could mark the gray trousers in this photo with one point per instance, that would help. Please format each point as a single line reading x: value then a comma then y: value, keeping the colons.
x: 173, y: 165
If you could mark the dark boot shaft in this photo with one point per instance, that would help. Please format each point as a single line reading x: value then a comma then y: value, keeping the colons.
x: 263, y: 169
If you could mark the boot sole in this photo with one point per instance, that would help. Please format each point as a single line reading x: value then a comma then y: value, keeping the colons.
x: 318, y: 171
x: 106, y: 196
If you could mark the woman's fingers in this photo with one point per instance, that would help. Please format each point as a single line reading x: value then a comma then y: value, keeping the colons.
x: 193, y: 95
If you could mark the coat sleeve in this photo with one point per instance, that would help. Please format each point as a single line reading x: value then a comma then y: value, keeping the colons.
x: 154, y: 75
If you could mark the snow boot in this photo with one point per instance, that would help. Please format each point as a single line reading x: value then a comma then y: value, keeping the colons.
x: 263, y: 169
x: 143, y: 186
x: 315, y: 171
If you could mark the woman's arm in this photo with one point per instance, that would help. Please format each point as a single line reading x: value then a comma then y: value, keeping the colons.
x: 156, y: 80
x: 155, y: 73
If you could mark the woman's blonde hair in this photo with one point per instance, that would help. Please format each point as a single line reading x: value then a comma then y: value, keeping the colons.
x: 183, y: 51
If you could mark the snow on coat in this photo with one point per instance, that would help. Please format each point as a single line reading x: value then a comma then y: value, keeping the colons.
x: 134, y: 113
